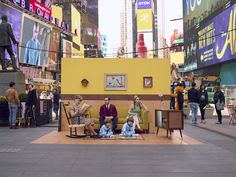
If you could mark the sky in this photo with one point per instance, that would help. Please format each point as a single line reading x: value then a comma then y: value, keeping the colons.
x: 109, y: 20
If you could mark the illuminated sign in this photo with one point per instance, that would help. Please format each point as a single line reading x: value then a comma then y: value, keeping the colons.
x: 144, y: 4
x: 217, y: 39
x: 41, y: 10
x: 144, y: 20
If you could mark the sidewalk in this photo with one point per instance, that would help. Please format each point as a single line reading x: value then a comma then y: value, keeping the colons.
x: 225, y: 128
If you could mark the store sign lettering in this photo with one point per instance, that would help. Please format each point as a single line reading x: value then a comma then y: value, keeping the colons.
x: 41, y: 11
x: 192, y: 5
x: 230, y: 37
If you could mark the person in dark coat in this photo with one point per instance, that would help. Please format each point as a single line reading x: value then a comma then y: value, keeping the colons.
x: 6, y: 36
x: 108, y: 111
x: 203, y: 102
x: 31, y: 103
x: 180, y: 97
x: 218, y: 97
x: 56, y: 102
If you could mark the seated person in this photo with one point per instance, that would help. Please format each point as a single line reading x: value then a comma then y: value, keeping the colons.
x: 105, y: 130
x: 135, y: 110
x: 108, y: 111
x: 128, y: 129
x: 77, y: 113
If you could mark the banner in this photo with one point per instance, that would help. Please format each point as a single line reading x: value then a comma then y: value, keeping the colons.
x: 14, y: 18
x: 217, y: 40
x: 36, y: 43
x: 145, y: 20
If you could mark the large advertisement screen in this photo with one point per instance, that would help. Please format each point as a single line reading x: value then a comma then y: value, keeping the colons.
x: 36, y: 39
x: 14, y: 18
x: 54, y: 50
x: 217, y: 39
x: 194, y: 11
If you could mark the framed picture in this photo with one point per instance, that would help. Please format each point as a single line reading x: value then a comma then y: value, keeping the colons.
x: 115, y: 82
x: 147, y: 82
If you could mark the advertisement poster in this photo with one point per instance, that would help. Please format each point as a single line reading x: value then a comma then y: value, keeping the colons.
x: 66, y: 45
x: 197, y: 10
x: 36, y: 41
x: 190, y: 50
x: 31, y: 72
x: 55, y: 47
x: 14, y: 18
x: 144, y: 20
x: 217, y: 39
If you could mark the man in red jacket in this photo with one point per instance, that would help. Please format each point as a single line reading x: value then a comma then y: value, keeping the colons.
x: 108, y: 111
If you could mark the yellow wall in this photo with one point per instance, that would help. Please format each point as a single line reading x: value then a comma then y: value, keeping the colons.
x: 177, y: 58
x: 57, y: 12
x: 75, y: 24
x: 73, y: 71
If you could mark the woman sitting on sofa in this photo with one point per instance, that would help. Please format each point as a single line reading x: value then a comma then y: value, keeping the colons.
x: 135, y: 110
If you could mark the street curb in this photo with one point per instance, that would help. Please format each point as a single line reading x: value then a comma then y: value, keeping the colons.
x: 214, y: 131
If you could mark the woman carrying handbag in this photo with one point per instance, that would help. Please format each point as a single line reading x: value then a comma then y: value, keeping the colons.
x: 219, y: 100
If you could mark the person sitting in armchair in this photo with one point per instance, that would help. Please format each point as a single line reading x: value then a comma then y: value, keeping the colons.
x: 108, y: 111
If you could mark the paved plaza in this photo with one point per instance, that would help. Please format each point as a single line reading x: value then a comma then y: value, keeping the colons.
x: 22, y: 156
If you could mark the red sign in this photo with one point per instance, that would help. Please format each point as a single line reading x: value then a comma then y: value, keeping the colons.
x: 40, y: 9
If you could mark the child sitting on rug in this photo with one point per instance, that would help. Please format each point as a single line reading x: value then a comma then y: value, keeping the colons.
x: 128, y: 129
x: 105, y: 130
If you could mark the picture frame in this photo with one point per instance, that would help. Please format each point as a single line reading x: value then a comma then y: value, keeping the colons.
x: 115, y: 82
x: 147, y: 82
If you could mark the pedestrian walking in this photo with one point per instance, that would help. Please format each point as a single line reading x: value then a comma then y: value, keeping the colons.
x: 193, y: 97
x: 203, y: 102
x: 13, y: 102
x: 7, y: 36
x: 56, y: 103
x: 219, y: 100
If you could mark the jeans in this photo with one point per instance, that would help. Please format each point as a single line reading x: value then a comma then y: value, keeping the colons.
x: 55, y: 110
x: 194, y: 109
x: 219, y: 114
x: 114, y: 122
x: 172, y: 103
x: 12, y: 114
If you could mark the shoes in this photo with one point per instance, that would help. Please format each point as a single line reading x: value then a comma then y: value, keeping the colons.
x: 218, y: 122
x: 203, y: 122
x: 194, y: 124
x: 14, y: 127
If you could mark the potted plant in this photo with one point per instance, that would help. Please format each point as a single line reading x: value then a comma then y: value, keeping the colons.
x: 4, y: 112
x: 186, y: 110
x: 22, y: 98
x: 209, y: 111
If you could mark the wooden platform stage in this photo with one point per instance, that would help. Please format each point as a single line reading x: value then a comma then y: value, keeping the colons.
x: 55, y: 137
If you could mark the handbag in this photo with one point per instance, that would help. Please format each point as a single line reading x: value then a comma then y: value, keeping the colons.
x: 220, y: 105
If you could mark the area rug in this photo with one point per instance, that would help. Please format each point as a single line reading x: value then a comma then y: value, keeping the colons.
x: 117, y: 137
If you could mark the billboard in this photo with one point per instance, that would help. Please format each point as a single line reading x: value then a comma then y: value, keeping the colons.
x: 54, y: 50
x: 194, y: 11
x: 14, y: 18
x: 144, y: 20
x: 144, y: 4
x: 217, y: 39
x: 36, y: 41
x: 66, y: 45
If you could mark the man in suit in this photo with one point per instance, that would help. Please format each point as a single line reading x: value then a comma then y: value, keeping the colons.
x: 7, y: 36
x: 108, y: 111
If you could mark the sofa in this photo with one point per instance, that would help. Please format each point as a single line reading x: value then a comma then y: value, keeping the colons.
x: 93, y: 113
